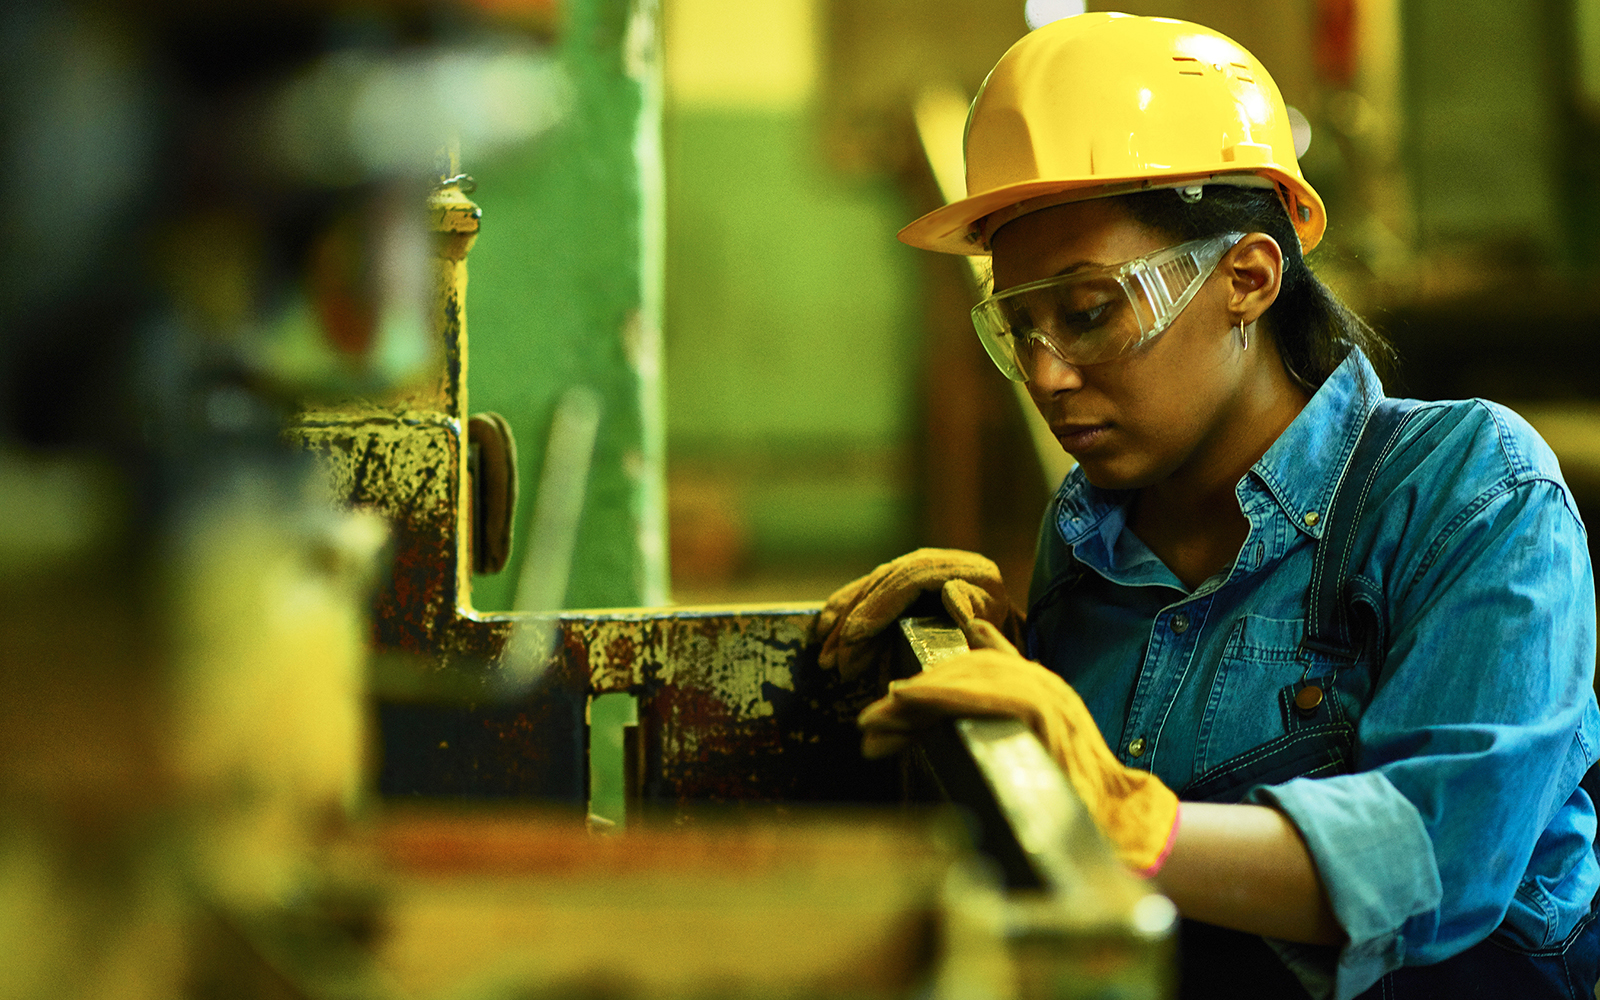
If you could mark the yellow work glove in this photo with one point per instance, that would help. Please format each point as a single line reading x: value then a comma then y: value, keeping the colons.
x: 856, y: 614
x: 1136, y: 812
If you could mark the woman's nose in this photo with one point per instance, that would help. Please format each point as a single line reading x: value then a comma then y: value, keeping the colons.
x: 1049, y: 374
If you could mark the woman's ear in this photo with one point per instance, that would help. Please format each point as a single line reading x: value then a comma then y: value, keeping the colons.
x: 1254, y: 269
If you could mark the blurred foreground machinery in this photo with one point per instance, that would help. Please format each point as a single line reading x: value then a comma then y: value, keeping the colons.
x: 231, y: 371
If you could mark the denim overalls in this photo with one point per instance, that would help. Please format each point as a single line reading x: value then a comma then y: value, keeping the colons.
x: 1318, y: 740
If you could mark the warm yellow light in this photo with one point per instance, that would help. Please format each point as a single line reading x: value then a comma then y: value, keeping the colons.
x: 741, y: 53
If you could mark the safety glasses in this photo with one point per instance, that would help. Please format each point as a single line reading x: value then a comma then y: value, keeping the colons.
x: 1090, y: 316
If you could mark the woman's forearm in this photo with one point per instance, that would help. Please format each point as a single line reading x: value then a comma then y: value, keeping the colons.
x: 1246, y: 867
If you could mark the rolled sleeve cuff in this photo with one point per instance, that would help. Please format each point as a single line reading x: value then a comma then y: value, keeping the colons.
x: 1376, y: 861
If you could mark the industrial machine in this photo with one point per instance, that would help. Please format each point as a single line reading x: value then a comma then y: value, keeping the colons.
x: 737, y: 731
x: 257, y: 741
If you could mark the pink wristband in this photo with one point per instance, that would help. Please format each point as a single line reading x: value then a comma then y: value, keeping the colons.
x: 1161, y: 859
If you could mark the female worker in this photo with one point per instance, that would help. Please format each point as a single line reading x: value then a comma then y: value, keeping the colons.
x: 1354, y: 635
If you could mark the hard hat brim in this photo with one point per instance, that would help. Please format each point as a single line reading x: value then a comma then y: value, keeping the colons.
x: 956, y: 228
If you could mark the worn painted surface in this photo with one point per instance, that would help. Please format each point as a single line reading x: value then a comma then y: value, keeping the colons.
x: 404, y: 458
x: 732, y: 707
x: 732, y: 704
x: 405, y: 466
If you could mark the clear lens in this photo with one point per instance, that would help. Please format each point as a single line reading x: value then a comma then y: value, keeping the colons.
x: 1081, y: 321
x: 1089, y: 317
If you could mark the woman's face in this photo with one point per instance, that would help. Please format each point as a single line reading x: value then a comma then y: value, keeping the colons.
x: 1162, y: 408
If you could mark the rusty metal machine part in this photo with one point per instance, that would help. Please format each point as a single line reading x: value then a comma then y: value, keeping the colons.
x: 405, y: 456
x: 732, y: 706
x: 732, y: 703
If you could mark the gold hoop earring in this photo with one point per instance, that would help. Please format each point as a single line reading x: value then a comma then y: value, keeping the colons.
x: 1244, y: 335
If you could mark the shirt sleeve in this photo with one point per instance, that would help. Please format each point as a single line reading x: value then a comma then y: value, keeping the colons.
x: 1481, y: 723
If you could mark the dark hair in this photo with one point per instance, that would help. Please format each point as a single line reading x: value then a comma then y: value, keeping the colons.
x: 1314, y: 330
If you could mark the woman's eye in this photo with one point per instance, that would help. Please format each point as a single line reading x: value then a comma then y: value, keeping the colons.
x: 1085, y: 319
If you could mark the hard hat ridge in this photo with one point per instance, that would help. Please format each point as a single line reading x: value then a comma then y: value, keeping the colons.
x: 1103, y: 104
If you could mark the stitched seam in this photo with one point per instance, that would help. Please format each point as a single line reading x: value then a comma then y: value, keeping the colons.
x: 1219, y: 690
x: 1329, y: 766
x: 1442, y: 539
x: 1514, y: 458
x: 1255, y: 754
x: 1263, y: 654
x: 1318, y: 566
x: 1366, y: 492
x: 1559, y: 948
x: 1527, y: 891
x: 1369, y: 403
x: 1272, y: 487
x: 1263, y: 751
x: 1519, y: 472
x: 1473, y: 509
x: 1361, y: 497
x: 1546, y: 910
x: 1368, y: 591
x: 1188, y: 664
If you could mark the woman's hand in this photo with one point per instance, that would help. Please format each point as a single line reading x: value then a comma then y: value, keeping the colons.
x: 856, y: 614
x: 1136, y: 812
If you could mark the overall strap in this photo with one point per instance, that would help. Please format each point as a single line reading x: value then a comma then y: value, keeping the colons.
x: 1328, y: 615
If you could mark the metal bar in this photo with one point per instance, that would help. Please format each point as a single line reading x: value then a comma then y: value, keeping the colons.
x: 1027, y: 817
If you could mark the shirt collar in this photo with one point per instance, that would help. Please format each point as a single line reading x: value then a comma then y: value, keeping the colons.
x: 1303, y: 467
x: 1300, y: 471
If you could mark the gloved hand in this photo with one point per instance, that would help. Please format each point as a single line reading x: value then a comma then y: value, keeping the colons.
x: 1135, y: 811
x: 857, y: 613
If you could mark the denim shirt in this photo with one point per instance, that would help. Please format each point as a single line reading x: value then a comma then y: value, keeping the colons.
x: 1459, y: 813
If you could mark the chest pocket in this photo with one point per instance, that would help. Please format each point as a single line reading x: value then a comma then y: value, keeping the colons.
x: 1275, y: 712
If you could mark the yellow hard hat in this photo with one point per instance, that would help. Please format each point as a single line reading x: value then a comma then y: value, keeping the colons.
x: 1103, y: 104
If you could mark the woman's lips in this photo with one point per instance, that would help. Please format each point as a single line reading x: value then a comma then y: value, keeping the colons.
x: 1077, y: 437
